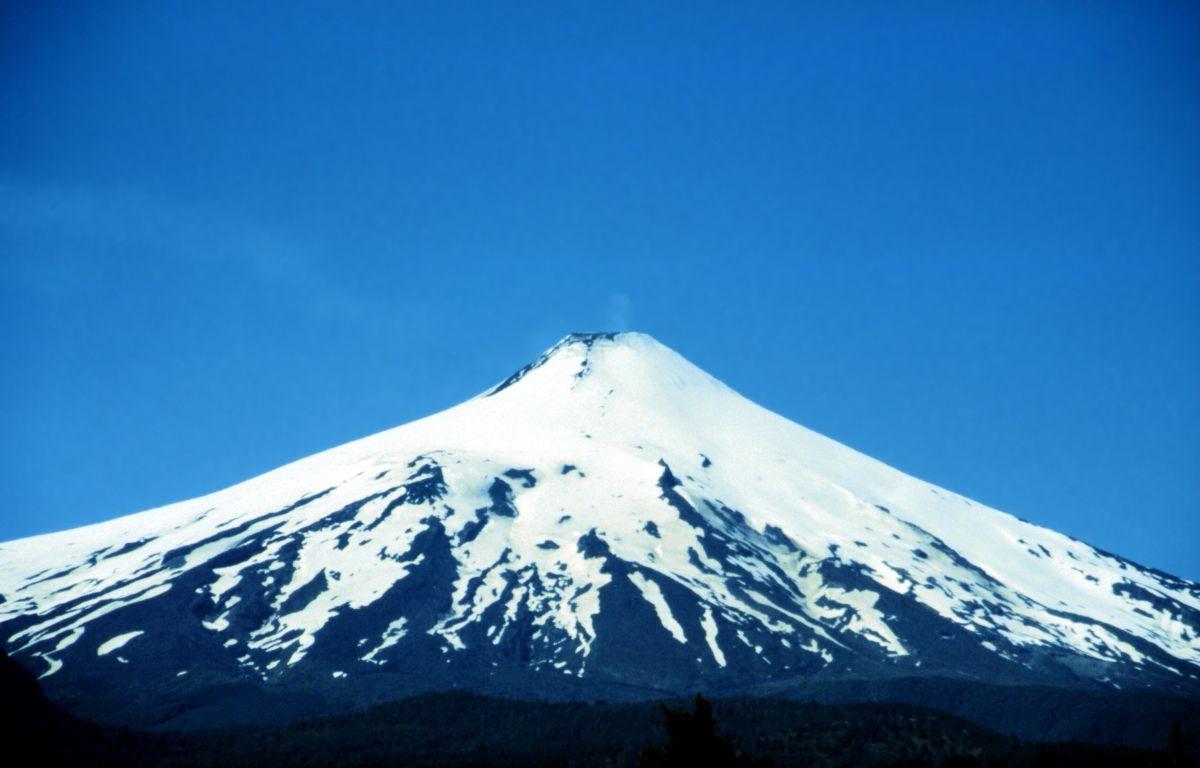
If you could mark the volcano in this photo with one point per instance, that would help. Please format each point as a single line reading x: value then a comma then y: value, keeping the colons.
x: 608, y: 522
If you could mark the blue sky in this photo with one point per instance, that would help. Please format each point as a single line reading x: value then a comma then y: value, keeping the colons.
x: 964, y: 240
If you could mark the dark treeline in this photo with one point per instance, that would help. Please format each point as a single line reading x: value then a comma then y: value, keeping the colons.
x: 1133, y: 718
x: 458, y: 729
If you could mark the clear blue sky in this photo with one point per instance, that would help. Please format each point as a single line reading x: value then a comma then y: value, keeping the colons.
x: 961, y: 237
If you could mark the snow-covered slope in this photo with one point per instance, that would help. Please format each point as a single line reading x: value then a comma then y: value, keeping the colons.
x: 609, y: 518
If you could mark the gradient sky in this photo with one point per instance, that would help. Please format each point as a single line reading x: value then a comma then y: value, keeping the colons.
x: 963, y: 238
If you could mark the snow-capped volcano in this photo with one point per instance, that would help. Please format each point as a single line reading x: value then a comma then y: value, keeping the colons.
x: 609, y: 519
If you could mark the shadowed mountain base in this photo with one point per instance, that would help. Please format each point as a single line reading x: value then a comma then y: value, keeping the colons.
x: 463, y: 729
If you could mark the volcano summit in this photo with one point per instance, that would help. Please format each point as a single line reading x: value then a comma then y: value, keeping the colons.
x: 610, y: 521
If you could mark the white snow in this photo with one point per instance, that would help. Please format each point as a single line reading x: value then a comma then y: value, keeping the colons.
x: 613, y: 412
x: 54, y: 665
x: 653, y: 594
x: 391, y: 636
x: 710, y: 635
x: 117, y: 642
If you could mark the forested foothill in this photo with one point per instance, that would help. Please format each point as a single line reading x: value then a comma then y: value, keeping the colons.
x: 461, y: 729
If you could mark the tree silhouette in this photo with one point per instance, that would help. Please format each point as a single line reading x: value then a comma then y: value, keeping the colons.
x: 692, y: 740
x: 1178, y: 746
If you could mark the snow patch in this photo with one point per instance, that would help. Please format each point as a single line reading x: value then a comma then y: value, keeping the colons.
x: 653, y: 594
x: 710, y: 635
x: 117, y: 642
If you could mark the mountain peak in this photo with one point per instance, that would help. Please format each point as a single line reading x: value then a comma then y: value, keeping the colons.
x: 581, y: 345
x: 610, y: 518
x: 588, y: 338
